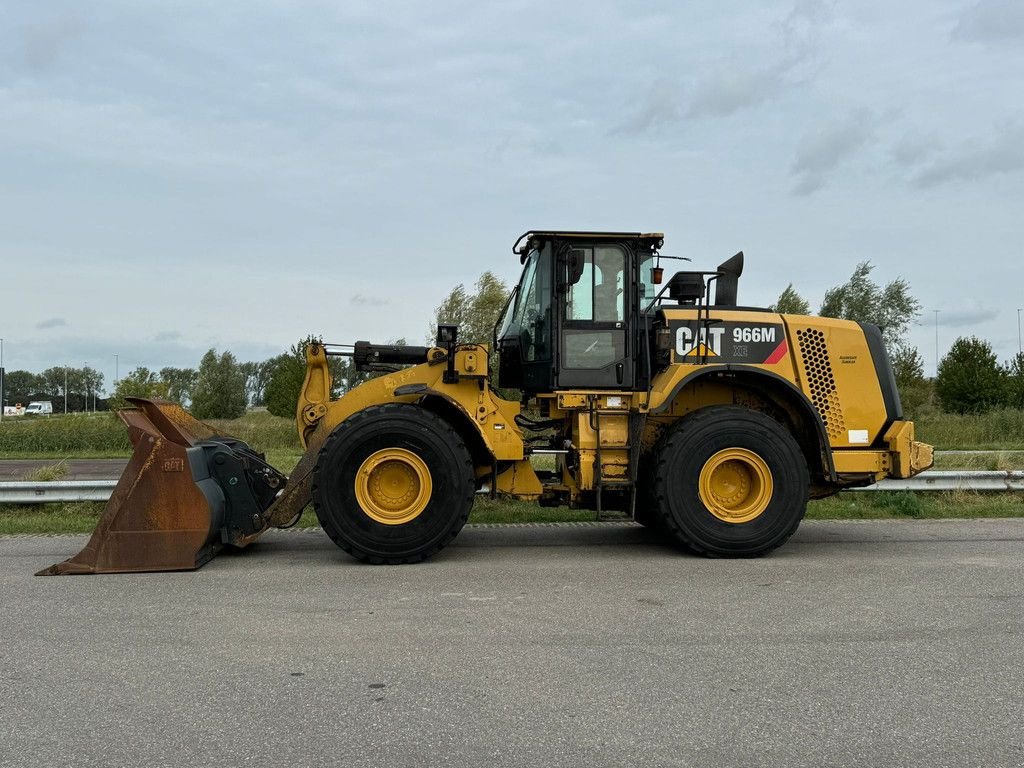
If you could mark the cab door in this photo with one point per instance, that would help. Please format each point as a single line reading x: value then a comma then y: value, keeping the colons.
x: 595, y: 311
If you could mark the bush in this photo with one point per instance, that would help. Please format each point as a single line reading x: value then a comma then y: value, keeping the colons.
x: 1015, y: 382
x: 139, y: 383
x: 970, y: 380
x: 285, y: 383
x: 917, y: 398
x: 220, y: 388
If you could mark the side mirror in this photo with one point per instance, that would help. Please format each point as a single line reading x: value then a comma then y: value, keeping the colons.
x: 577, y: 258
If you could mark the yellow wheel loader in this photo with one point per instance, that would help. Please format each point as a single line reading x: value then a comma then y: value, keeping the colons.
x: 711, y: 421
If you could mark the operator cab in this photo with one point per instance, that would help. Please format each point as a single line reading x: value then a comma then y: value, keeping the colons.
x: 577, y: 320
x: 571, y: 323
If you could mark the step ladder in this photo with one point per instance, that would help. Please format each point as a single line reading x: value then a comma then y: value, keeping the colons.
x: 602, y: 480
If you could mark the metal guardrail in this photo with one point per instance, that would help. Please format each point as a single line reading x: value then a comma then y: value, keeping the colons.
x: 956, y: 480
x: 21, y: 492
x: 935, y: 480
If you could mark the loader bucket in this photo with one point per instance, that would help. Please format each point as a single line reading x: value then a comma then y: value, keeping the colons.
x: 185, y: 492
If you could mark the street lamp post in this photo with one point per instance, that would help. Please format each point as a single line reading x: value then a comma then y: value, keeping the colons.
x: 2, y: 377
x: 936, y: 311
x: 1020, y: 347
x: 65, y: 390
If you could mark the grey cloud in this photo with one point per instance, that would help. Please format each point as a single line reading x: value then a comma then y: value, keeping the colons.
x: 658, y: 108
x: 1003, y: 153
x: 363, y: 300
x: 914, y: 149
x: 729, y: 90
x: 730, y: 86
x: 801, y: 28
x: 526, y: 144
x: 167, y: 336
x: 991, y: 21
x: 822, y: 151
x: 44, y: 42
x: 958, y: 318
x: 53, y: 322
x: 717, y: 93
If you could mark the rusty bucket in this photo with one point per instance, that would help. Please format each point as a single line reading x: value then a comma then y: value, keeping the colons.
x: 168, y: 512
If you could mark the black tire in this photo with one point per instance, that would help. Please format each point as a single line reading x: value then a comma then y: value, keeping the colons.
x: 393, y: 426
x: 683, y: 454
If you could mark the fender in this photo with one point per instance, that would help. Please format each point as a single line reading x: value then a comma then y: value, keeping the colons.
x: 779, y: 384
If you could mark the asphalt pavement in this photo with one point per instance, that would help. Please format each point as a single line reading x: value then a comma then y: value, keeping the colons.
x: 894, y: 643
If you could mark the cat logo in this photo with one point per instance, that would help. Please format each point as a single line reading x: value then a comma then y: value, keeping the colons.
x: 708, y: 345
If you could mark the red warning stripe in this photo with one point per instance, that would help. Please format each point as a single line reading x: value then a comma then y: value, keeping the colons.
x: 778, y: 354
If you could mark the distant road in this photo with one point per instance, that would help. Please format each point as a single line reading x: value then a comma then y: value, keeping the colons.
x: 78, y: 469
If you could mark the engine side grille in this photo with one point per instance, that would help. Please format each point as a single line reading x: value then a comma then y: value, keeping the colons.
x: 821, y: 381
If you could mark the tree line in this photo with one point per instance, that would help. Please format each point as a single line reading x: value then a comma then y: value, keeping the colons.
x: 81, y: 387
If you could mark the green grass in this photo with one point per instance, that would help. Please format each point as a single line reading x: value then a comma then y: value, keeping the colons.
x: 82, y: 517
x: 1001, y: 429
x: 926, y: 506
x: 49, y: 518
x: 262, y: 431
x: 101, y: 436
x: 64, y: 436
x: 49, y: 473
x: 1003, y: 460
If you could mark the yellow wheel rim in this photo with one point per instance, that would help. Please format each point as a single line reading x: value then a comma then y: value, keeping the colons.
x: 735, y: 485
x: 393, y: 486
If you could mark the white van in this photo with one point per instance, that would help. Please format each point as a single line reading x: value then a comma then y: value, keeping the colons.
x: 39, y: 408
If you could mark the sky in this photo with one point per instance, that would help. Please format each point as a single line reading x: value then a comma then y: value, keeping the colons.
x: 189, y: 175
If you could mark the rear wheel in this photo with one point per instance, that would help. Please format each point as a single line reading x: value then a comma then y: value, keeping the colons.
x: 393, y: 484
x: 730, y: 482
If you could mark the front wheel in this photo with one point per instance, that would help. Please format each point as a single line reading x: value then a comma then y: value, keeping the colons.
x: 730, y: 482
x: 393, y: 484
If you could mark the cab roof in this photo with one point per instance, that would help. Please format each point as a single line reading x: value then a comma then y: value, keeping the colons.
x: 651, y: 239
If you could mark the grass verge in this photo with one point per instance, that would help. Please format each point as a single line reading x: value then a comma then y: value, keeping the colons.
x: 49, y: 473
x: 82, y: 518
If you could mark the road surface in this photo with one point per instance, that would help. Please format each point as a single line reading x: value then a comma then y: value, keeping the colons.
x: 858, y: 644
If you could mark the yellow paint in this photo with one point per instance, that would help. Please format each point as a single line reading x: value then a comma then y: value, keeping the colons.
x: 908, y: 455
x: 835, y: 369
x: 859, y: 462
x: 492, y: 417
x: 735, y: 485
x: 393, y: 486
x: 520, y: 481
